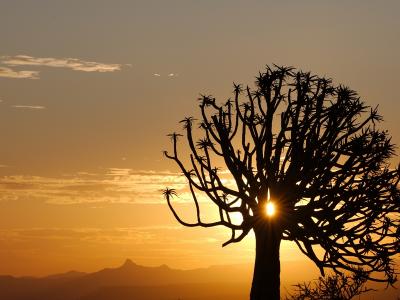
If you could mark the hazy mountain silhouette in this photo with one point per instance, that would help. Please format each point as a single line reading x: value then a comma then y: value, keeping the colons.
x: 67, y: 275
x: 132, y: 281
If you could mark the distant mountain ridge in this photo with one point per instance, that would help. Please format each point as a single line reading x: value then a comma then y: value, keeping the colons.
x: 130, y: 281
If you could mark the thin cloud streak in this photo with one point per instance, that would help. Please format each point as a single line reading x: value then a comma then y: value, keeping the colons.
x: 159, y: 237
x: 170, y: 75
x: 116, y: 185
x: 10, y: 73
x: 75, y: 64
x: 29, y: 106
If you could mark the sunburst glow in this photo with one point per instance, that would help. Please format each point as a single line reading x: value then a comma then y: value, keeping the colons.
x: 270, y: 209
x: 270, y: 206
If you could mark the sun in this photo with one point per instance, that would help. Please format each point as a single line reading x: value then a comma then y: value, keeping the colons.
x: 270, y: 209
x: 270, y: 206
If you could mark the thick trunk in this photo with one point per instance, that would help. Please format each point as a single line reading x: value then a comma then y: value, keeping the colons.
x: 266, y: 277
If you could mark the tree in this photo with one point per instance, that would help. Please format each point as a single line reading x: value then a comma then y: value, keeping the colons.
x: 312, y: 152
x: 333, y: 287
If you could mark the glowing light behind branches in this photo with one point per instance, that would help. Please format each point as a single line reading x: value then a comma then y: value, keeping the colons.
x: 270, y: 209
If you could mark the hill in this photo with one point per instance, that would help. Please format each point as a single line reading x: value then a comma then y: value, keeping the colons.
x: 131, y: 281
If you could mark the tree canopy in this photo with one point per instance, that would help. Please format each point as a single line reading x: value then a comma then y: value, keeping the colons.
x: 315, y: 150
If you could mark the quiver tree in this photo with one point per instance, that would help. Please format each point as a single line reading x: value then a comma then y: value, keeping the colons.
x: 310, y: 150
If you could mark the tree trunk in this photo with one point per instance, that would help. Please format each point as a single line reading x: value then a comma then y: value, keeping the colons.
x: 266, y: 277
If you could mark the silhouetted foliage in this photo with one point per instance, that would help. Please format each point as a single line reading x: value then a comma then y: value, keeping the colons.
x: 313, y: 149
x: 333, y: 287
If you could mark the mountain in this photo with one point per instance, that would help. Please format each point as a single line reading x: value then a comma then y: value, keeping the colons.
x: 67, y: 275
x: 135, y: 282
x: 131, y: 281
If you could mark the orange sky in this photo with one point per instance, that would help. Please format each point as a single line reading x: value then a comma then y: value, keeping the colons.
x: 89, y: 90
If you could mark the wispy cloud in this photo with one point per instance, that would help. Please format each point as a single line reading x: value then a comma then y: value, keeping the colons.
x: 161, y: 237
x: 29, y: 106
x: 170, y: 75
x: 116, y: 185
x: 10, y: 73
x: 75, y: 64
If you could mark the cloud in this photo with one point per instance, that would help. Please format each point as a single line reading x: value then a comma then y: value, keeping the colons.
x: 10, y: 73
x: 160, y: 236
x: 115, y: 185
x: 170, y: 75
x: 118, y: 171
x: 75, y: 64
x: 29, y: 106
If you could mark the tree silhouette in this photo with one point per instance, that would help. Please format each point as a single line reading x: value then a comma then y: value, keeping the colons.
x: 308, y: 149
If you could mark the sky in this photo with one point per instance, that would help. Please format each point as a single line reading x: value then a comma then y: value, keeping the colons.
x: 90, y: 89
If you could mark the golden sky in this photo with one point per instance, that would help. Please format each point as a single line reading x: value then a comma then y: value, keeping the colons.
x: 90, y: 89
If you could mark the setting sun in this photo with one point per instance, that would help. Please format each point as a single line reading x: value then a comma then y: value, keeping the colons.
x: 270, y: 209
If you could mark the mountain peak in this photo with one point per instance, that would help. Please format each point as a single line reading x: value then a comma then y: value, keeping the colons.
x: 128, y: 263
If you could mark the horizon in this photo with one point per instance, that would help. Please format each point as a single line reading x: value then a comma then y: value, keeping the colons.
x: 289, y: 280
x: 89, y: 92
x: 129, y: 261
